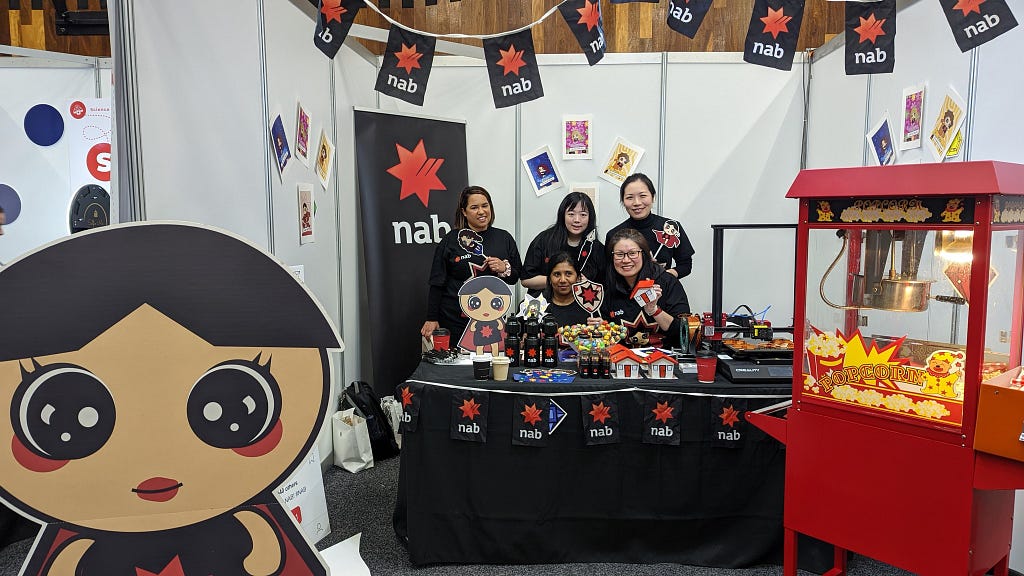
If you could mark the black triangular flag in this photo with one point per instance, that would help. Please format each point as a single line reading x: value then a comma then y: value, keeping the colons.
x: 975, y: 22
x: 587, y: 25
x: 661, y: 418
x: 728, y: 423
x: 773, y: 32
x: 870, y: 37
x: 530, y: 421
x: 405, y: 69
x: 512, y: 68
x: 469, y: 415
x: 686, y: 16
x: 333, y: 21
x: 600, y: 416
x: 410, y: 394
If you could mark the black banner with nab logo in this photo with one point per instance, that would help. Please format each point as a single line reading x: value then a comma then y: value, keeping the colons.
x: 333, y: 21
x: 974, y: 22
x: 406, y: 65
x: 686, y: 16
x: 530, y: 420
x: 661, y: 418
x: 469, y: 415
x: 512, y: 69
x: 410, y: 394
x: 600, y: 416
x: 773, y: 33
x: 870, y: 37
x: 587, y: 25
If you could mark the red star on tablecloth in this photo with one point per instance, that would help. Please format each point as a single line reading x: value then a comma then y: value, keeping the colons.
x: 406, y: 396
x: 332, y: 11
x: 173, y: 568
x: 470, y: 409
x: 511, y: 60
x: 589, y: 14
x: 408, y: 58
x: 775, y: 22
x: 600, y: 412
x: 730, y: 416
x: 968, y: 6
x: 870, y: 29
x: 662, y: 412
x: 531, y: 414
x: 417, y: 173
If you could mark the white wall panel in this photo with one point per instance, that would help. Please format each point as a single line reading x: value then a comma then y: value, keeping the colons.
x: 997, y: 119
x: 836, y: 113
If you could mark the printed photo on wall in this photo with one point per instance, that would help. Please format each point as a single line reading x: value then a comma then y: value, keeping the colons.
x: 279, y: 139
x: 543, y: 172
x: 576, y: 135
x: 590, y: 189
x: 303, y: 124
x: 880, y: 142
x: 913, y: 112
x: 947, y: 123
x: 306, y: 210
x: 622, y: 161
x: 324, y: 159
x: 956, y: 146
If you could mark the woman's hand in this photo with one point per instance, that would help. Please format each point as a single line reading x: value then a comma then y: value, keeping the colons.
x: 496, y: 265
x: 652, y: 307
x: 428, y: 328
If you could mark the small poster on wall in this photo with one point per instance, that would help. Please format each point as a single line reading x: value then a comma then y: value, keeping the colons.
x: 590, y: 189
x: 913, y: 111
x: 324, y: 159
x: 302, y: 127
x: 540, y: 166
x: 947, y: 123
x: 880, y: 142
x: 621, y: 161
x: 279, y: 139
x: 306, y: 211
x: 956, y: 146
x: 576, y: 134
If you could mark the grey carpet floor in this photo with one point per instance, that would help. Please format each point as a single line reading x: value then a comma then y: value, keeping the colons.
x: 364, y: 502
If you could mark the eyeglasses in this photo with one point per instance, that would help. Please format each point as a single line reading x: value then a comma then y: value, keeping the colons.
x: 632, y: 255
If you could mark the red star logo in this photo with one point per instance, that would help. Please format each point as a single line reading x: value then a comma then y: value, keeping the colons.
x: 589, y: 296
x: 589, y: 14
x: 470, y: 409
x: 870, y: 29
x: 486, y: 331
x: 532, y: 353
x: 663, y: 412
x: 417, y: 173
x: 968, y: 6
x: 549, y: 352
x: 406, y: 396
x: 729, y: 416
x: 475, y: 269
x: 332, y: 11
x: 531, y: 414
x: 173, y: 568
x: 511, y: 59
x: 600, y: 412
x: 408, y: 58
x: 775, y: 22
x: 640, y: 323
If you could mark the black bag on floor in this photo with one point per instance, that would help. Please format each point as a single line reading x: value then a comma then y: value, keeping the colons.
x: 360, y: 395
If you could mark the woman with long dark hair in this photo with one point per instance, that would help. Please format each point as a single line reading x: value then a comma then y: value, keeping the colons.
x: 573, y: 232
x: 562, y: 305
x: 669, y: 245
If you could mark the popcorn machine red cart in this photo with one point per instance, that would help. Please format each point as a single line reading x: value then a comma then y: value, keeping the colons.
x: 904, y: 440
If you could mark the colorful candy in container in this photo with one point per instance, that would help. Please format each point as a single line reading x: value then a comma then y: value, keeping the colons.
x: 590, y: 338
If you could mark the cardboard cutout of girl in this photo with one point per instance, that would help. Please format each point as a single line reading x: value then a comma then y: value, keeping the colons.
x: 471, y: 241
x: 484, y: 300
x: 668, y: 236
x: 160, y: 381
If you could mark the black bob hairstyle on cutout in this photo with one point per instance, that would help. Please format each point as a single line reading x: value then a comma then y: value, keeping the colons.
x: 217, y: 286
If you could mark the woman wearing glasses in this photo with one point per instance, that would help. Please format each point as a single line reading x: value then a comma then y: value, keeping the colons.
x: 655, y: 323
x: 669, y: 246
x: 571, y: 233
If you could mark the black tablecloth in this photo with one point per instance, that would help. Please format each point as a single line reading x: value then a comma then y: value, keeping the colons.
x: 696, y: 503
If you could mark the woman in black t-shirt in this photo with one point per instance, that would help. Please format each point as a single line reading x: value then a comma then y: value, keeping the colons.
x: 562, y: 305
x: 573, y: 232
x: 666, y: 238
x: 655, y: 323
x: 473, y: 248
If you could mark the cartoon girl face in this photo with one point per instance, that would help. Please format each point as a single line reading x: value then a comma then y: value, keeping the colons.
x: 670, y: 229
x: 485, y: 305
x: 211, y: 427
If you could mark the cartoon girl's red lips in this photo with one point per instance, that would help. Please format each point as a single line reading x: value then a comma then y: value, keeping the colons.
x: 157, y: 489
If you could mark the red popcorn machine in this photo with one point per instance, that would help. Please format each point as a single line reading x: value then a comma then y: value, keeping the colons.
x: 905, y: 437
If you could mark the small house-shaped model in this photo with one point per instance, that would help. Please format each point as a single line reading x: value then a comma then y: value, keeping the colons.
x: 625, y: 362
x: 643, y: 292
x: 661, y: 366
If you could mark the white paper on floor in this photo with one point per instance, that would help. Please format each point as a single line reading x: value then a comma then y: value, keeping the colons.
x: 343, y: 558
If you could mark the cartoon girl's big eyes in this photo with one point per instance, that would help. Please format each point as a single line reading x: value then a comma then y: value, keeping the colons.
x: 498, y: 303
x: 474, y: 303
x: 62, y: 412
x: 234, y: 404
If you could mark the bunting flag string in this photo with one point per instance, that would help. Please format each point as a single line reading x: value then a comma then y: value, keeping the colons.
x: 609, y: 391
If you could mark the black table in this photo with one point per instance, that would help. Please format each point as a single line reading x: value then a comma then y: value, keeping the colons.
x: 698, y: 503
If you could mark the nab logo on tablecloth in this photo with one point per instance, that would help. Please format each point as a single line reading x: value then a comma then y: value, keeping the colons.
x: 98, y: 161
x: 418, y: 174
x: 77, y: 110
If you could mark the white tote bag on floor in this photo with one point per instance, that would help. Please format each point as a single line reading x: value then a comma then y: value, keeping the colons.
x: 352, y: 449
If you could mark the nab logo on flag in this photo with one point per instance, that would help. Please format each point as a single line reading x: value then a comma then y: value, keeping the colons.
x: 590, y: 16
x: 730, y: 417
x: 662, y: 413
x: 775, y: 23
x: 98, y: 161
x: 418, y: 174
x: 408, y: 58
x: 512, y: 60
x: 869, y: 30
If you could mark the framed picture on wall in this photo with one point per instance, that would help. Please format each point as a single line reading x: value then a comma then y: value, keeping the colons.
x: 279, y: 140
x: 913, y: 113
x: 947, y: 124
x: 324, y: 159
x: 880, y: 142
x: 306, y: 210
x: 590, y: 189
x: 622, y: 161
x: 303, y: 125
x: 577, y: 130
x: 543, y: 172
